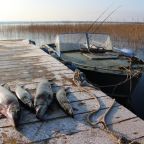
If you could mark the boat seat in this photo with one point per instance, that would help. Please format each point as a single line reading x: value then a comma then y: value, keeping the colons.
x: 99, y: 57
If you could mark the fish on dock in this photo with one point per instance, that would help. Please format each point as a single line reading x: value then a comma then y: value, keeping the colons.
x: 24, y: 96
x: 64, y: 102
x: 43, y: 98
x: 9, y: 106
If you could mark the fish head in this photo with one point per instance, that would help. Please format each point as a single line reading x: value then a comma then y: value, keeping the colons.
x: 13, y: 115
x: 40, y: 111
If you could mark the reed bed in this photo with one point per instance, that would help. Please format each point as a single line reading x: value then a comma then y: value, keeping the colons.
x: 128, y: 34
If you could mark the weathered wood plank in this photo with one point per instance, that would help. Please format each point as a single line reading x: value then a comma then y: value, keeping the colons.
x: 45, y: 58
x: 132, y: 128
x: 5, y: 58
x: 44, y: 64
x: 60, y: 74
x: 80, y: 106
x: 140, y: 140
x: 31, y: 68
x: 116, y: 115
x: 16, y: 49
x: 23, y: 62
x: 44, y: 129
x: 40, y: 131
x: 37, y: 73
x: 93, y: 136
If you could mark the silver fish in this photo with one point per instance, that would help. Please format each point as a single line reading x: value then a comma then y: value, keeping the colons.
x: 24, y: 96
x: 64, y: 102
x: 43, y: 98
x: 9, y: 106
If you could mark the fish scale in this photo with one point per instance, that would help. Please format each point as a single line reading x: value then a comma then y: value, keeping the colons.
x: 24, y: 96
x: 43, y: 98
x: 9, y: 106
x: 64, y: 102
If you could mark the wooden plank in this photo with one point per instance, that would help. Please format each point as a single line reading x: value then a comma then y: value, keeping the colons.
x: 126, y: 112
x: 40, y: 131
x: 26, y: 73
x: 15, y: 53
x: 5, y: 49
x: 43, y: 130
x: 35, y: 52
x: 42, y: 59
x: 23, y: 62
x: 132, y: 128
x: 80, y: 106
x: 5, y: 58
x: 32, y: 67
x: 116, y: 115
x: 28, y: 64
x: 16, y: 48
x: 92, y: 136
x: 140, y: 140
x: 35, y: 78
x: 36, y: 70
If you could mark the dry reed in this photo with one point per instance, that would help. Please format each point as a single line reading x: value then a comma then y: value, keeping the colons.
x: 132, y: 33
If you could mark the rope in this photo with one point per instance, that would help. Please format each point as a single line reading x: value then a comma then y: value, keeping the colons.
x: 102, y: 120
x: 124, y: 81
x: 77, y: 82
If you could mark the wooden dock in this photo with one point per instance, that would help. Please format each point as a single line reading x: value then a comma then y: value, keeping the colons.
x: 26, y: 64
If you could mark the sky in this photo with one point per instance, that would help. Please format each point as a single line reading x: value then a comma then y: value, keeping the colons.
x: 71, y: 10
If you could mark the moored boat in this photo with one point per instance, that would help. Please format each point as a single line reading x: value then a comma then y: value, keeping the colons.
x: 115, y: 70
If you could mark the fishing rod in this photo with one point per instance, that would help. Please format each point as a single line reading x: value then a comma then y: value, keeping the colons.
x: 98, y: 18
x: 101, y: 24
x: 89, y: 28
x: 107, y: 17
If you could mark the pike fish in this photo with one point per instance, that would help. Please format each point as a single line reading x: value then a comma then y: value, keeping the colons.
x: 64, y: 102
x: 9, y: 106
x: 43, y: 98
x: 24, y: 96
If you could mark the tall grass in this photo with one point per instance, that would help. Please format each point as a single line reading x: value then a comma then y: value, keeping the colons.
x: 129, y: 34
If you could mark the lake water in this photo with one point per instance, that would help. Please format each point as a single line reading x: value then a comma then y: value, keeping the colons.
x: 39, y: 38
x: 137, y: 98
